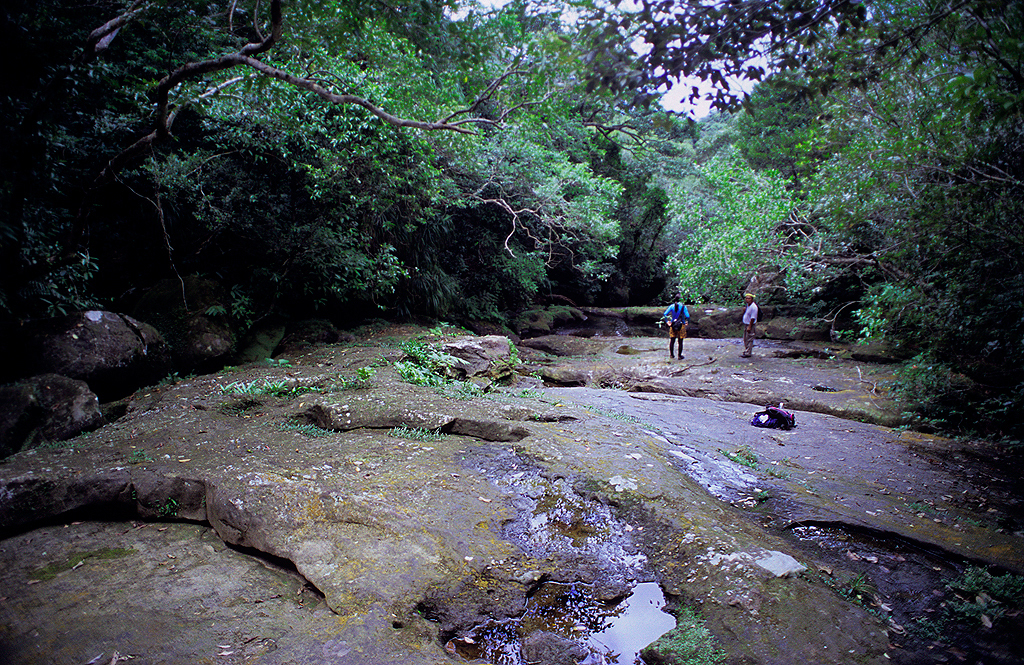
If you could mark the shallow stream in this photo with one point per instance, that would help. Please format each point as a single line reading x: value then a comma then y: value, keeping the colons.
x: 612, y: 632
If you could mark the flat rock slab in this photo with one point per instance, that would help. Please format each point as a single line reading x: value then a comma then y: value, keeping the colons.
x: 418, y: 513
x: 216, y: 604
x: 833, y: 472
x: 803, y: 376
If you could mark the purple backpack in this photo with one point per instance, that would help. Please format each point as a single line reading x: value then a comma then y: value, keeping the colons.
x: 775, y: 418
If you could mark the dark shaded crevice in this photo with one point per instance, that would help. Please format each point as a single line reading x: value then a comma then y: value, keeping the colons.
x: 114, y: 411
x: 275, y: 562
x: 485, y: 430
x: 125, y: 496
x: 893, y: 541
x: 130, y: 324
x: 108, y: 512
x: 911, y: 585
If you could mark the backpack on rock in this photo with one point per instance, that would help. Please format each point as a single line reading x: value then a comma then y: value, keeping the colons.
x: 774, y: 417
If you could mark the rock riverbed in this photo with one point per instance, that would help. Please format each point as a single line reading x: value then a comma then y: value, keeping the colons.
x: 208, y: 526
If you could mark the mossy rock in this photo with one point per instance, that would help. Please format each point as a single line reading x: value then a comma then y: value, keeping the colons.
x: 689, y: 643
x: 544, y: 321
x: 797, y: 330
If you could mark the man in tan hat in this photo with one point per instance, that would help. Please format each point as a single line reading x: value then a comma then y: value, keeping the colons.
x: 749, y: 325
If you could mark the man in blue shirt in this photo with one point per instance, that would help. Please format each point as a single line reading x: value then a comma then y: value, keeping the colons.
x: 677, y: 317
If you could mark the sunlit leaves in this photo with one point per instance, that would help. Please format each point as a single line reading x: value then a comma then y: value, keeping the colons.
x: 730, y: 235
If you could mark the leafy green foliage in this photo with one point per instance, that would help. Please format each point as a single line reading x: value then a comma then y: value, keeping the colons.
x: 426, y: 364
x: 463, y: 390
x: 776, y: 127
x: 647, y: 173
x: 981, y: 599
x: 169, y: 508
x: 921, y: 201
x: 362, y: 380
x: 856, y: 589
x: 61, y: 115
x: 935, y: 394
x: 731, y: 234
x: 272, y: 388
x: 294, y: 203
x: 139, y: 457
x: 743, y: 456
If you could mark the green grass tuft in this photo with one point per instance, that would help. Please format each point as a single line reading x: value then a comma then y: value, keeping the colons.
x: 416, y: 433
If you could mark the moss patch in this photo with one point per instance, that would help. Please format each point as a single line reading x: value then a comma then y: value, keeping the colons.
x: 76, y: 559
x: 689, y: 643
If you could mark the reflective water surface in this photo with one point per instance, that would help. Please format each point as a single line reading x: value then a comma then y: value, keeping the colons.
x: 611, y: 632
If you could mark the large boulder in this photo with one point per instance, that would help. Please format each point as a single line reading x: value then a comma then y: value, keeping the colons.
x: 302, y: 336
x: 488, y: 355
x: 192, y: 315
x: 43, y: 409
x: 544, y: 321
x: 793, y: 329
x: 723, y: 322
x: 564, y: 345
x: 487, y: 328
x: 114, y: 353
x: 260, y: 343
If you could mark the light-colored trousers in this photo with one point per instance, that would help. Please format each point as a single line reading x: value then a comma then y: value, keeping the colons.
x: 748, y: 339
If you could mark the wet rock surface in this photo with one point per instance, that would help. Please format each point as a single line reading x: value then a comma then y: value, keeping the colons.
x: 379, y: 522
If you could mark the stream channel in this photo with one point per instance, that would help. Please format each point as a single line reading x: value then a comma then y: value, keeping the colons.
x: 636, y: 470
x: 614, y: 632
x: 933, y: 615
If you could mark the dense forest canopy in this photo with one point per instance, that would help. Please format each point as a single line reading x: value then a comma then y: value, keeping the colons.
x: 453, y: 160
